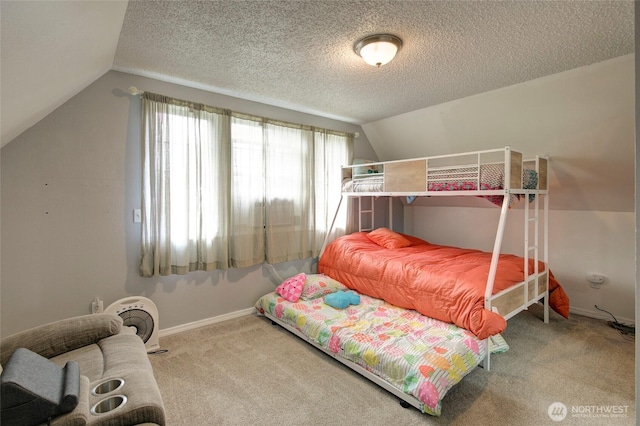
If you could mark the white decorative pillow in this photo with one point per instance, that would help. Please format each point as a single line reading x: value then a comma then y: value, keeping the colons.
x: 363, y: 170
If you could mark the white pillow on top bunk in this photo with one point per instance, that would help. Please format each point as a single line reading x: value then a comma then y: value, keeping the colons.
x: 363, y: 170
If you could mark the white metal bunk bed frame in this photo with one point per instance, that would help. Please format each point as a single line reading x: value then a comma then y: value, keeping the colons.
x: 401, y: 178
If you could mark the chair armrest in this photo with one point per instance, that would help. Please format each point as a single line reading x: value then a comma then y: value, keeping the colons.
x: 62, y: 336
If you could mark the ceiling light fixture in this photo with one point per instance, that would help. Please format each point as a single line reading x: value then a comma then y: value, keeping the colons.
x: 378, y: 49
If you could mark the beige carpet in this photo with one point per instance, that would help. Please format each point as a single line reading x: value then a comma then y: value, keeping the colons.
x: 247, y: 371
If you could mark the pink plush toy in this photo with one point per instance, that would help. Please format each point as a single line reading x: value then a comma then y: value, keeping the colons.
x: 291, y: 288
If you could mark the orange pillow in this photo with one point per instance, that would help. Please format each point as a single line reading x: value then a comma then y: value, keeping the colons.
x: 385, y: 237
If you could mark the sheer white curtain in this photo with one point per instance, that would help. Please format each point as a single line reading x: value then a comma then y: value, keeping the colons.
x: 247, y: 244
x: 290, y: 225
x: 332, y: 151
x: 286, y: 182
x: 223, y: 189
x: 185, y: 157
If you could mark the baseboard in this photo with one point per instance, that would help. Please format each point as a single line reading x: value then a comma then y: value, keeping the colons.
x: 601, y: 316
x: 201, y: 323
x: 249, y: 311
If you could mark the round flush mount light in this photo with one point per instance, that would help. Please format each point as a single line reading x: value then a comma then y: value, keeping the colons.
x: 378, y: 49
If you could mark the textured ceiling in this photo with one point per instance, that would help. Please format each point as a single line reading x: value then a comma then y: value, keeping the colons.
x: 299, y: 54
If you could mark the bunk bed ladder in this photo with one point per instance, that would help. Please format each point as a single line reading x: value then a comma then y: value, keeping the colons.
x: 532, y: 277
x: 367, y: 212
x: 528, y: 249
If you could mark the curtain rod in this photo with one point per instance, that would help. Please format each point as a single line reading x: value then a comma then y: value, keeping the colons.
x: 135, y: 91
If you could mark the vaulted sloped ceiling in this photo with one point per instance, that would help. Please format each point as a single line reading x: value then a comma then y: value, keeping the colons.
x: 299, y: 54
x: 50, y: 51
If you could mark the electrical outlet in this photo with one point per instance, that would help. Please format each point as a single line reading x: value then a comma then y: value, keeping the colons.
x: 97, y: 306
x: 595, y: 278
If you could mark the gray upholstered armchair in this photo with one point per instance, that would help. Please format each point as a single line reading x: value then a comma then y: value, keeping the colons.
x: 117, y: 385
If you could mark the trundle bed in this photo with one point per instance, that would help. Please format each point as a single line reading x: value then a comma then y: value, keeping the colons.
x: 428, y: 313
x: 414, y: 357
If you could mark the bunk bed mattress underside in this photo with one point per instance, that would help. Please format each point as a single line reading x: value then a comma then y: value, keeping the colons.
x: 417, y: 355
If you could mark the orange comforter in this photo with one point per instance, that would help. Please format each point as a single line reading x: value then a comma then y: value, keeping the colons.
x: 445, y: 283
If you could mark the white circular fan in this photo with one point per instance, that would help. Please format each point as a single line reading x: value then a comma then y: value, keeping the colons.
x: 141, y: 314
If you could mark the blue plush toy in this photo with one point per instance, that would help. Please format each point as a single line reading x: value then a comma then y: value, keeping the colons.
x: 342, y: 299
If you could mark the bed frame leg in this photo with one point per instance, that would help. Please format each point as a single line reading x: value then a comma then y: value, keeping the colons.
x: 486, y: 362
x: 404, y: 404
x: 546, y: 310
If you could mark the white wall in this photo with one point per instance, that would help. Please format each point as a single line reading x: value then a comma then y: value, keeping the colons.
x: 69, y: 187
x: 584, y: 119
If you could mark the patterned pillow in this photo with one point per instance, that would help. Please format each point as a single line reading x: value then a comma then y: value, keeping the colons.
x: 291, y: 288
x: 318, y: 285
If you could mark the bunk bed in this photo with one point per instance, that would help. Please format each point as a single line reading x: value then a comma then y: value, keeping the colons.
x: 499, y: 175
x: 383, y: 268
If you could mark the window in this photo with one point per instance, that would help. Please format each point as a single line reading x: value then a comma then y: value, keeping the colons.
x: 223, y: 189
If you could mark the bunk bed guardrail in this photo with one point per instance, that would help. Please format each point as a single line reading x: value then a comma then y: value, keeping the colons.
x: 428, y: 176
